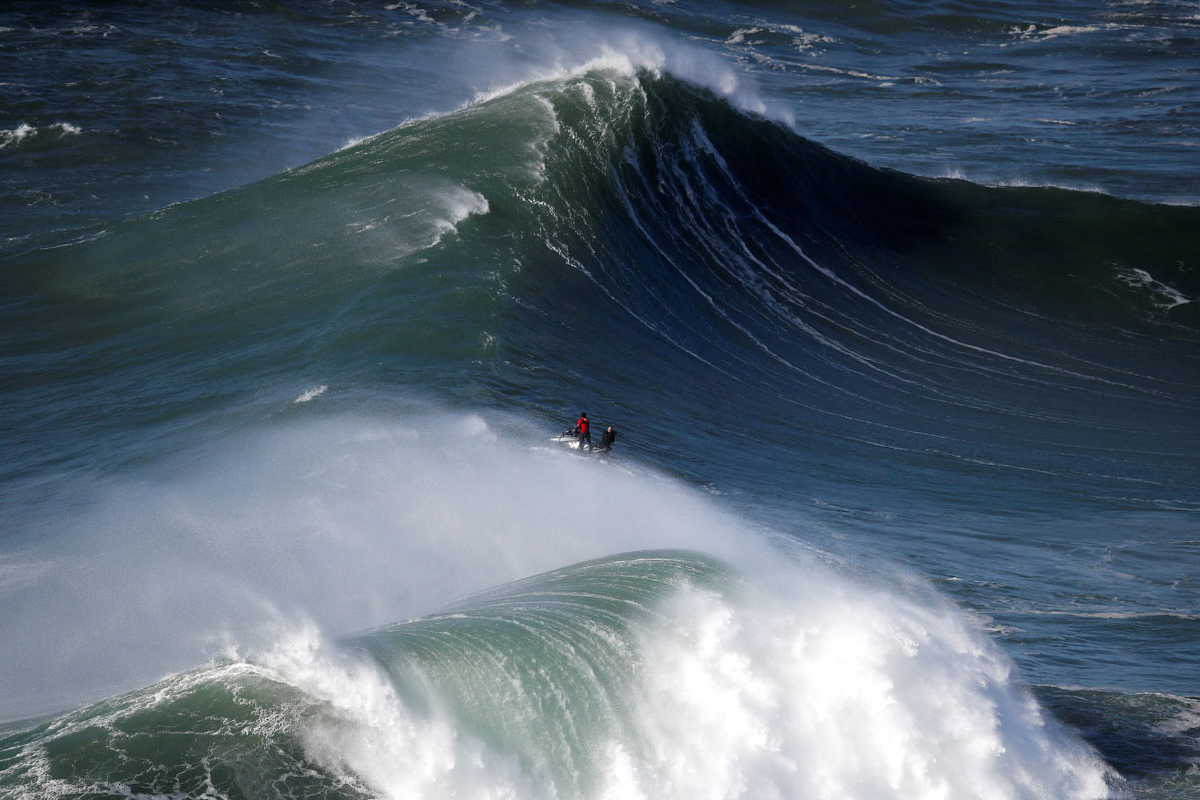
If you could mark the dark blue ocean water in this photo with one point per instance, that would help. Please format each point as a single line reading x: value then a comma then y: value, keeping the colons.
x: 894, y: 307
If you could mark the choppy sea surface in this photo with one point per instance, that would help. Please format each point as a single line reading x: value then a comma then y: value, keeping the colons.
x: 894, y: 306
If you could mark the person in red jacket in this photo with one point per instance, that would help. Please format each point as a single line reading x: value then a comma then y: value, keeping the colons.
x: 584, y: 429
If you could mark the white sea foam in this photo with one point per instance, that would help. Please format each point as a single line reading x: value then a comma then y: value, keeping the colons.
x: 16, y: 135
x: 369, y: 735
x: 1166, y: 296
x: 435, y: 209
x: 801, y: 39
x: 353, y: 522
x: 852, y: 73
x: 840, y: 694
x: 807, y: 686
x: 414, y: 10
x: 823, y: 691
x: 1034, y: 183
x: 961, y: 174
x: 625, y: 53
x: 355, y: 141
x: 1056, y: 31
x: 1186, y: 717
x: 739, y: 36
x: 25, y: 131
x: 453, y: 206
x: 309, y: 394
x: 596, y: 50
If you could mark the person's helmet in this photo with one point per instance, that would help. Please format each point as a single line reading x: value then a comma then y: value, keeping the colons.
x: 583, y: 413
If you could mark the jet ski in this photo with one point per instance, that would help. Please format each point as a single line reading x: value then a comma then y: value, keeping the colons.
x: 568, y: 438
x: 571, y: 439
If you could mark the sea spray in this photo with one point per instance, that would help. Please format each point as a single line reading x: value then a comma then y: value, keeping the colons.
x: 668, y: 674
x: 639, y: 675
x: 348, y: 521
x: 843, y: 693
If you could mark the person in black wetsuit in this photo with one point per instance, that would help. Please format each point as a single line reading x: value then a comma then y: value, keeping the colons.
x: 607, y: 438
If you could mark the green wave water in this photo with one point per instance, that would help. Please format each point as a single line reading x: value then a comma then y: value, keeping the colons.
x: 650, y: 672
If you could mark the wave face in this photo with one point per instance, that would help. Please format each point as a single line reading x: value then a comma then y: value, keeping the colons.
x: 677, y: 243
x: 894, y: 446
x: 652, y: 673
x: 638, y: 245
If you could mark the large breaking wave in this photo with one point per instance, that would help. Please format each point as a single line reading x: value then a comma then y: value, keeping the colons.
x: 649, y: 674
x: 614, y: 232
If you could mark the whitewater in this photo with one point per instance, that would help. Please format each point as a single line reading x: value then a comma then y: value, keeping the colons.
x: 894, y: 309
x: 650, y: 673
